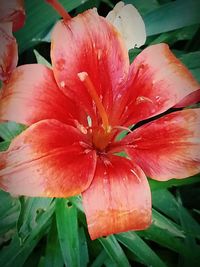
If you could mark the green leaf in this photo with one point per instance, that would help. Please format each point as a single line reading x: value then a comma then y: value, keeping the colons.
x: 171, y: 16
x: 114, y: 251
x: 53, y: 255
x: 188, y: 223
x: 8, y: 130
x: 172, y: 37
x: 41, y: 60
x: 4, y: 145
x: 9, y: 213
x: 191, y: 60
x: 144, y: 6
x: 67, y: 225
x: 164, y: 232
x: 17, y: 252
x: 165, y: 202
x: 84, y: 257
x: 40, y: 17
x: 100, y: 259
x: 157, y: 185
x: 32, y: 210
x: 135, y: 244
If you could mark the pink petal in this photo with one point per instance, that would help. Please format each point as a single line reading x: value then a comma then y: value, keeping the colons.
x: 8, y: 51
x: 47, y: 160
x: 157, y: 81
x: 118, y: 198
x: 12, y: 11
x: 88, y: 43
x: 32, y: 95
x: 168, y: 147
x: 191, y: 99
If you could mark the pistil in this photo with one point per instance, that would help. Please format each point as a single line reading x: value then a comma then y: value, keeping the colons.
x: 60, y: 9
x: 84, y: 77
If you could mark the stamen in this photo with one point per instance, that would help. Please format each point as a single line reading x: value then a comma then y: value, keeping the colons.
x: 83, y: 76
x: 60, y: 9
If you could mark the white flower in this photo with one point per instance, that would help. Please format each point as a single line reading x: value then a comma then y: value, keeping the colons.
x: 129, y: 23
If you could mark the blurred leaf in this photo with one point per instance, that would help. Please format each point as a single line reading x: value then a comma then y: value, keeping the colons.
x: 133, y: 53
x: 4, y: 145
x: 143, y: 6
x: 162, y: 222
x: 88, y: 5
x: 33, y: 209
x: 84, y: 257
x: 164, y: 201
x: 8, y: 130
x: 188, y: 223
x: 172, y: 16
x: 135, y: 244
x: 9, y: 213
x: 172, y: 37
x: 114, y: 251
x: 191, y: 60
x: 41, y: 60
x: 156, y: 185
x: 165, y: 233
x: 100, y: 259
x: 168, y: 205
x: 67, y: 225
x: 40, y: 18
x: 53, y: 255
x: 16, y: 253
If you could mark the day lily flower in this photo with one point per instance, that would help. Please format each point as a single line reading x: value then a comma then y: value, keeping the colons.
x: 12, y: 18
x: 75, y: 113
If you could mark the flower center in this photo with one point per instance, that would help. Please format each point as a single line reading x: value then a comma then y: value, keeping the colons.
x: 100, y: 135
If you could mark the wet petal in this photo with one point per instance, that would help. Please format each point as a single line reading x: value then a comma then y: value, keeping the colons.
x: 47, y: 160
x: 32, y: 95
x: 168, y: 147
x: 88, y: 43
x: 129, y: 23
x: 157, y: 82
x: 118, y: 199
x: 12, y: 11
x: 8, y: 51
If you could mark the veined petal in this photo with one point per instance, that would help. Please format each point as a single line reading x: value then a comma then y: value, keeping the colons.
x: 12, y: 11
x: 88, y: 43
x: 32, y: 95
x: 47, y: 160
x: 157, y: 82
x: 118, y: 198
x: 168, y: 147
x: 129, y: 23
x: 8, y: 51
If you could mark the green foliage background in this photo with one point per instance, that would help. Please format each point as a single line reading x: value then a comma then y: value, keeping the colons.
x: 48, y: 232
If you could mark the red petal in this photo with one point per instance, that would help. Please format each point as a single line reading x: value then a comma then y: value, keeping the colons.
x: 157, y: 81
x: 191, y: 99
x: 118, y: 199
x: 13, y: 11
x: 88, y: 43
x: 8, y: 51
x: 47, y: 160
x: 32, y: 95
x: 168, y: 147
